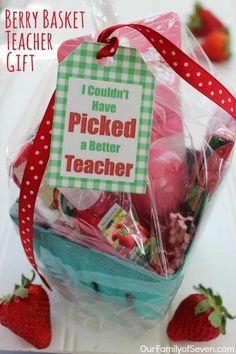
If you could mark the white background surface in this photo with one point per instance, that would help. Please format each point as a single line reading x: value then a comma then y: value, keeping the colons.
x: 213, y: 262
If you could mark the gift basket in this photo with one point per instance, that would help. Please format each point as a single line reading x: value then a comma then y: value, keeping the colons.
x: 122, y: 255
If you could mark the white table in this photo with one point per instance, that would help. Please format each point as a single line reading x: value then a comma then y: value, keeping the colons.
x: 213, y: 260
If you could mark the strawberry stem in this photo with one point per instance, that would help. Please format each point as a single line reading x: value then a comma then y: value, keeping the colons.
x: 219, y: 314
x: 19, y: 290
x: 195, y: 21
x: 25, y: 282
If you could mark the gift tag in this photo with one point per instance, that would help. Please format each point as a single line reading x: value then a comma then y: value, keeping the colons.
x: 102, y: 121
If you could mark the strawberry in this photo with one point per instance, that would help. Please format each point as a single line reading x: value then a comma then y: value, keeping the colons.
x: 199, y: 317
x: 119, y: 227
x: 115, y: 236
x: 127, y: 241
x: 119, y: 231
x: 217, y: 46
x: 202, y: 22
x: 26, y: 312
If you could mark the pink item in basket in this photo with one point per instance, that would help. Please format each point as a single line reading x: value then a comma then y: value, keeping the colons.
x: 167, y: 187
x: 166, y: 121
x: 169, y: 177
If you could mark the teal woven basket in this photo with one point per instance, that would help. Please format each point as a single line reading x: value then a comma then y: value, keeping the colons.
x: 116, y: 280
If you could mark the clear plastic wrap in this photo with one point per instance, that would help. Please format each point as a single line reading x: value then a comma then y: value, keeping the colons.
x: 122, y: 255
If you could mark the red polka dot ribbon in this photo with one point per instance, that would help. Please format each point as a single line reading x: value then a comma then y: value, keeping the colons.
x: 181, y: 63
x: 33, y: 175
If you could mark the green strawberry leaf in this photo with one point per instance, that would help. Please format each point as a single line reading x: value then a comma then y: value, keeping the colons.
x: 195, y: 21
x: 25, y: 282
x: 218, y: 300
x: 227, y: 314
x: 216, y: 319
x: 223, y: 326
x: 220, y: 314
x: 204, y: 291
x: 21, y: 292
x: 9, y: 298
x: 123, y: 232
x: 209, y: 292
x: 16, y: 287
x: 202, y: 306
